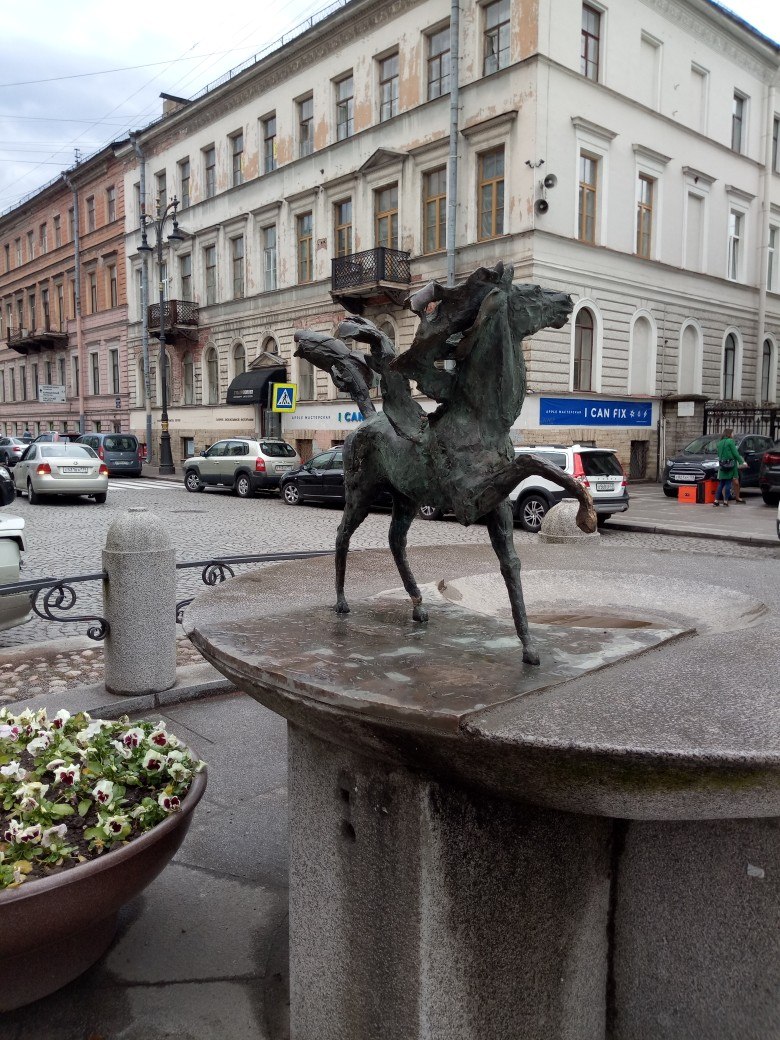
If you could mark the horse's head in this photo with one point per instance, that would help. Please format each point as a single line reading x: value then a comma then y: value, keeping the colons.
x: 532, y: 308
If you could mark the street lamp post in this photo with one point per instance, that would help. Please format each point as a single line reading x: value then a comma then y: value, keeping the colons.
x: 158, y: 224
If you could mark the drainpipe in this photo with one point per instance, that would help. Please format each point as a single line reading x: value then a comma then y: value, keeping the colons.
x: 763, y: 266
x: 79, y: 329
x: 452, y: 165
x: 145, y: 308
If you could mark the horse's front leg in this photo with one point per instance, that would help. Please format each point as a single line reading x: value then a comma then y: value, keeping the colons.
x: 500, y: 525
x: 355, y: 512
x: 403, y: 515
x: 484, y: 495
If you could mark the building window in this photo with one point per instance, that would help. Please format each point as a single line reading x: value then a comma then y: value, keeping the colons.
x: 91, y: 213
x: 212, y: 376
x: 304, y: 230
x: 491, y: 194
x: 46, y: 312
x: 386, y: 216
x: 35, y: 384
x: 771, y: 260
x: 738, y: 113
x: 342, y: 231
x: 61, y: 307
x: 94, y: 362
x: 184, y: 182
x: 305, y: 380
x: 239, y: 359
x: 775, y: 134
x: 269, y: 143
x: 31, y: 305
x: 210, y: 263
x: 76, y: 378
x: 61, y: 366
x: 161, y: 187
x: 237, y: 257
x: 188, y: 374
x: 57, y: 232
x: 111, y: 203
x: 185, y: 276
x: 439, y: 63
x: 269, y: 258
x: 7, y: 253
x: 92, y: 287
x: 18, y: 245
x: 729, y: 365
x: 237, y: 159
x: 23, y: 381
x: 735, y: 245
x: 43, y: 238
x: 388, y: 87
x: 49, y: 374
x: 583, y: 350
x: 306, y: 126
x: 71, y: 223
x: 435, y: 210
x: 210, y: 171
x: 496, y: 37
x: 30, y: 246
x: 590, y: 42
x: 766, y: 371
x: 13, y: 384
x: 586, y: 231
x: 644, y: 215
x: 113, y: 293
x: 345, y: 107
x: 72, y: 287
x: 113, y: 360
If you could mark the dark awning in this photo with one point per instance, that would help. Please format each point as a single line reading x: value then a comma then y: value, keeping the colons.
x: 252, y: 386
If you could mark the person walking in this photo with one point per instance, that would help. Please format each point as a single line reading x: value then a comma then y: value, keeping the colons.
x: 729, y: 461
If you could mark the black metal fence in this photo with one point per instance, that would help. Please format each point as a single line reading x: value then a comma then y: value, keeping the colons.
x: 178, y: 313
x: 742, y: 419
x: 371, y: 267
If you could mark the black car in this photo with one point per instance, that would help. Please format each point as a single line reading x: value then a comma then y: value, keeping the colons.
x: 321, y: 479
x: 699, y: 461
x: 769, y: 475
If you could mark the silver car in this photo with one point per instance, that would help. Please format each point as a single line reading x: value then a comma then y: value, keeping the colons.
x: 60, y: 469
x: 241, y: 463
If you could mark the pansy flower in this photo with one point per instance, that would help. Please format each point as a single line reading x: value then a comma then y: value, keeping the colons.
x: 152, y: 761
x: 103, y: 792
x: 169, y: 802
x: 68, y: 775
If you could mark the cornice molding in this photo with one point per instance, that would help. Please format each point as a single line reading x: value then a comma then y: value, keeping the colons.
x: 588, y: 127
x: 651, y: 154
x: 739, y: 193
x: 698, y: 175
x: 486, y: 125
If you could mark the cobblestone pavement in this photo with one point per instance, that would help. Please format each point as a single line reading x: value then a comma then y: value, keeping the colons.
x: 66, y: 537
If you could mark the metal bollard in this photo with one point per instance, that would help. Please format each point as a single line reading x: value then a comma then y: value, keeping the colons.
x: 139, y: 597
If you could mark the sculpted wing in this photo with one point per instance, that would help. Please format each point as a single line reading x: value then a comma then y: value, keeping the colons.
x: 348, y: 369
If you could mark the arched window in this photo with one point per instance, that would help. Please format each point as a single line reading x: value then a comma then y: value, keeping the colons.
x: 689, y: 365
x: 188, y: 376
x: 729, y: 366
x: 239, y: 359
x: 583, y: 350
x: 641, y: 379
x: 766, y: 372
x: 168, y: 380
x: 270, y: 346
x: 305, y: 380
x: 212, y: 376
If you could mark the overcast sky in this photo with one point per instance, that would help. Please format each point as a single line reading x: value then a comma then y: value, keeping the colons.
x: 73, y: 76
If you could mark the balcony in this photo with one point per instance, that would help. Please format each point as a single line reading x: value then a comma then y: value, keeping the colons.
x: 33, y: 341
x: 181, y: 319
x: 376, y: 274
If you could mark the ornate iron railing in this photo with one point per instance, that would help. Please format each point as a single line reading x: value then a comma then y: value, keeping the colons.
x: 370, y: 269
x: 742, y: 419
x: 177, y: 314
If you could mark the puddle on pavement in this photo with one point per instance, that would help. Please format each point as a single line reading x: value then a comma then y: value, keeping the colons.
x: 591, y: 621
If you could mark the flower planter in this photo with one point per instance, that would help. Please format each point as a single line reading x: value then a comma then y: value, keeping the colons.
x: 54, y: 928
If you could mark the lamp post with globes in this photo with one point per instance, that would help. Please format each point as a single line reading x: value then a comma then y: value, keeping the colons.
x: 158, y: 224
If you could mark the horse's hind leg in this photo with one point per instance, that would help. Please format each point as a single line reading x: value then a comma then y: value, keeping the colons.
x: 500, y: 527
x: 403, y: 514
x: 355, y: 512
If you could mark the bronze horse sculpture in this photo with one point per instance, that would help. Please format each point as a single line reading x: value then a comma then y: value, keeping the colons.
x: 467, y: 355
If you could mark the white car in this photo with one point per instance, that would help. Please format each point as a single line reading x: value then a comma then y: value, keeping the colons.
x: 60, y: 469
x: 14, y: 610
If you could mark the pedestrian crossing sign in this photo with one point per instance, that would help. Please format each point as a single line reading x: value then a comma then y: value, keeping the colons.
x: 284, y: 397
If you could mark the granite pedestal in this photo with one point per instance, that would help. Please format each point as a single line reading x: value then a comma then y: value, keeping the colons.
x: 483, y: 849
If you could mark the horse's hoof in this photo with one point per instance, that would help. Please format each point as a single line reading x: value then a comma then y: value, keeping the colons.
x: 342, y: 607
x: 530, y: 656
x: 420, y: 613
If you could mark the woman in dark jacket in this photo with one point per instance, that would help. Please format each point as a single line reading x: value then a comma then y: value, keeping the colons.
x: 729, y: 460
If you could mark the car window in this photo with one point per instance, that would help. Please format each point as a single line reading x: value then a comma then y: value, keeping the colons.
x: 120, y: 443
x: 702, y: 446
x: 69, y: 450
x: 216, y: 449
x: 28, y: 453
x: 237, y: 448
x: 749, y: 444
x: 600, y: 464
x: 322, y: 461
x: 277, y: 449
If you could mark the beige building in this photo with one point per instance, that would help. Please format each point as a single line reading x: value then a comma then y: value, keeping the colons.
x: 626, y: 153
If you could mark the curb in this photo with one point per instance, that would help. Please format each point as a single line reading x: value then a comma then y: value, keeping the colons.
x: 739, y: 539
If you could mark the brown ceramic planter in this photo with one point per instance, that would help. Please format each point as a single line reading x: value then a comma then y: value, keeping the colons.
x: 53, y: 929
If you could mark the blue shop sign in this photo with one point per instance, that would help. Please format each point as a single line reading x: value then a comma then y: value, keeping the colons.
x: 572, y: 411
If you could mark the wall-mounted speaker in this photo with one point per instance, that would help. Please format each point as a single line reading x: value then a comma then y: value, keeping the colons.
x: 550, y: 180
x: 541, y: 206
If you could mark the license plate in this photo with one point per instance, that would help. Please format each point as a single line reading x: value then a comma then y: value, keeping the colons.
x: 283, y: 469
x: 604, y: 487
x: 76, y: 469
x: 684, y: 477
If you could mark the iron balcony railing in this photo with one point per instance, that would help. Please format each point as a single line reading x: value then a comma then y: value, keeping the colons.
x: 23, y: 340
x: 179, y: 314
x: 742, y: 419
x: 370, y: 270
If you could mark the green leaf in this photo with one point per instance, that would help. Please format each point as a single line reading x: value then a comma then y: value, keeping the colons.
x: 94, y: 832
x: 61, y: 809
x: 84, y: 806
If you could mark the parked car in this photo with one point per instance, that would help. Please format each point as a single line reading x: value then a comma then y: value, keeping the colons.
x: 698, y: 461
x: 11, y: 449
x: 321, y: 479
x: 769, y: 475
x: 60, y: 469
x: 121, y: 452
x: 245, y: 465
x: 599, y: 469
x: 14, y: 610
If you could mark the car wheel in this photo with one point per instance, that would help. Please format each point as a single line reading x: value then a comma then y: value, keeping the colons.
x: 192, y: 481
x: 430, y: 513
x: 291, y: 495
x: 100, y: 499
x: 770, y: 498
x: 601, y: 518
x: 531, y: 512
x: 243, y: 486
x: 32, y: 495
